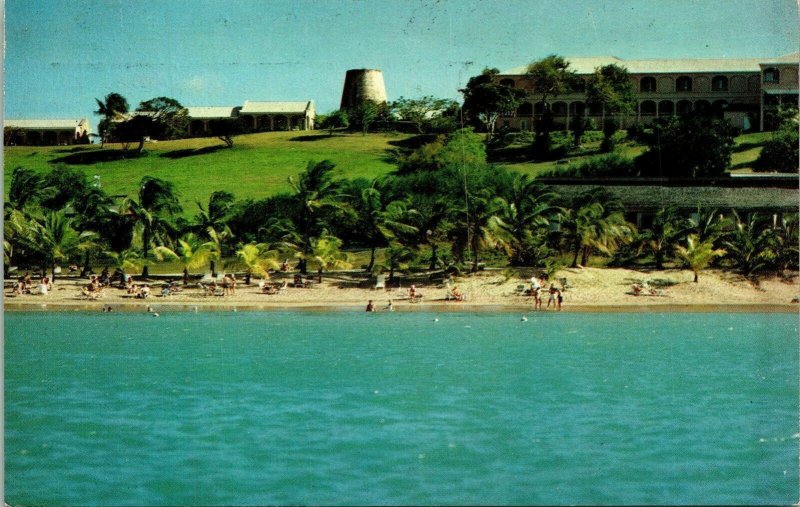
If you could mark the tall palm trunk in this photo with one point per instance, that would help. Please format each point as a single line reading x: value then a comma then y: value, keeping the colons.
x: 577, y: 252
x: 434, y: 256
x: 371, y: 259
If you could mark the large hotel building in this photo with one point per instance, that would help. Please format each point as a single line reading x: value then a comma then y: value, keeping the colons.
x: 745, y: 91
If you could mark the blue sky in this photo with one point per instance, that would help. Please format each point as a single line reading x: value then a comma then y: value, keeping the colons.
x: 60, y: 54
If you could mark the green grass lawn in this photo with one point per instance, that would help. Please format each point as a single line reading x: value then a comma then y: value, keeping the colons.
x: 257, y: 166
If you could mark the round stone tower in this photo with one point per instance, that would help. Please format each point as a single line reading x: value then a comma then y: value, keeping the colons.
x: 361, y: 85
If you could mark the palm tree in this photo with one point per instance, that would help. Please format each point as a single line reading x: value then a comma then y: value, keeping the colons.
x: 478, y: 228
x: 56, y: 240
x: 127, y: 261
x: 748, y: 246
x: 218, y: 242
x: 327, y: 254
x: 256, y: 259
x: 667, y: 230
x: 191, y: 252
x: 697, y: 254
x: 432, y: 222
x: 599, y: 224
x: 157, y: 204
x: 315, y: 190
x: 522, y: 220
x: 112, y: 107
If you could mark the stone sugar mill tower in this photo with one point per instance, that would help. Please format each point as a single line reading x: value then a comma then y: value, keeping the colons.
x: 361, y: 85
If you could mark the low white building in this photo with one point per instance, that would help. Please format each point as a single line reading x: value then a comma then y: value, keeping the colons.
x: 45, y: 132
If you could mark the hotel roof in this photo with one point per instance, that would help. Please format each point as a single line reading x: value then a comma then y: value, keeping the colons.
x: 251, y: 107
x: 587, y: 65
x: 44, y: 124
x: 209, y: 112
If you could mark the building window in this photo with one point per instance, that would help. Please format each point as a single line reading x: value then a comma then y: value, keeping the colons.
x: 647, y: 84
x: 719, y: 84
x: 525, y: 109
x: 771, y: 75
x: 683, y: 84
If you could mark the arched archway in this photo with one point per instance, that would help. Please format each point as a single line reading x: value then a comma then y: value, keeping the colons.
x: 577, y: 108
x: 719, y: 84
x: 647, y: 84
x: 666, y: 108
x: 683, y: 84
x: 525, y: 109
x: 33, y: 138
x: 683, y: 107
x: 559, y: 108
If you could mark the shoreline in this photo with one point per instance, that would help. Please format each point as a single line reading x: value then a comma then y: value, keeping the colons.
x: 430, y: 307
x: 585, y: 290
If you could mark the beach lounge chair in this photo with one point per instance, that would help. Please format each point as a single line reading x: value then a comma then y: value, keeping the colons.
x: 380, y: 282
x: 520, y: 290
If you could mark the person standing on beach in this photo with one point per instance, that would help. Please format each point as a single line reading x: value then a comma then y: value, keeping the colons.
x: 389, y: 307
x: 552, y: 296
x: 559, y: 299
x: 370, y: 306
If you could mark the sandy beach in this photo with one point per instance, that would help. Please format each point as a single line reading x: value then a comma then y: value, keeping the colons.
x: 588, y: 289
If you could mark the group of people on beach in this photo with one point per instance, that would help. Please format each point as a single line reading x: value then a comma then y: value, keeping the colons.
x: 554, y: 295
x: 24, y: 285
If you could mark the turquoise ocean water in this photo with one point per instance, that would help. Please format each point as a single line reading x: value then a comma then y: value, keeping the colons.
x: 351, y: 408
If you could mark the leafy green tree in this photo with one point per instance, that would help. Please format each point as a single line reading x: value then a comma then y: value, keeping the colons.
x: 159, y: 118
x: 551, y: 77
x: 697, y: 254
x: 420, y: 112
x: 460, y: 148
x: 153, y: 213
x: 225, y: 129
x: 365, y: 114
x: 338, y: 119
x: 611, y: 88
x: 485, y: 99
x: 781, y: 152
x: 692, y: 146
x: 113, y: 109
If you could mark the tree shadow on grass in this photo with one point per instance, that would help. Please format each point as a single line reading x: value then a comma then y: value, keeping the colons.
x: 97, y: 156
x: 746, y: 146
x: 315, y: 137
x: 414, y: 142
x: 192, y: 152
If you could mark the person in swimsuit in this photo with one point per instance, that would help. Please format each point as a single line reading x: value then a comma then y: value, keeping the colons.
x: 370, y: 306
x: 552, y: 298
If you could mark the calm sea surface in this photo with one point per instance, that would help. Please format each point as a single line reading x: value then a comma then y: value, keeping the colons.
x: 351, y: 408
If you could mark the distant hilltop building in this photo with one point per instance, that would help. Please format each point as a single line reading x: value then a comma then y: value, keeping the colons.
x: 256, y: 116
x: 46, y: 132
x: 746, y: 91
x: 361, y: 85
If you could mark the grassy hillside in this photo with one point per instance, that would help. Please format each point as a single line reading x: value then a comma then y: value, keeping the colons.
x: 257, y: 166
